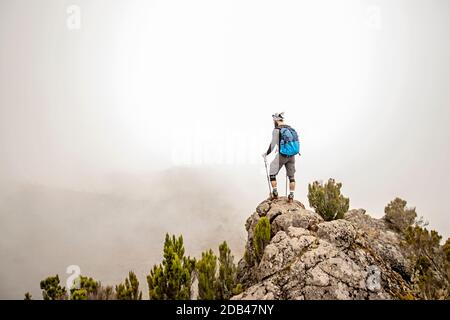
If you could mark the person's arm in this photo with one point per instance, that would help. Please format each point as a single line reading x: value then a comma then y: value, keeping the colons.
x: 275, y: 140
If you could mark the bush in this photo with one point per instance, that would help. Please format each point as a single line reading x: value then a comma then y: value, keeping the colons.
x: 261, y: 237
x: 103, y: 293
x: 429, y: 262
x: 206, y: 269
x: 446, y: 248
x: 171, y: 280
x: 327, y: 200
x: 88, y: 287
x: 238, y: 289
x: 52, y: 290
x: 227, y: 282
x: 222, y: 285
x: 129, y: 290
x: 397, y: 216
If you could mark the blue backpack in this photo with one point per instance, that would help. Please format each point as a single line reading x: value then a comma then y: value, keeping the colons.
x: 289, y: 143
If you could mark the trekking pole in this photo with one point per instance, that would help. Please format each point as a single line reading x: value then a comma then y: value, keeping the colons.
x: 267, y: 174
x: 286, y: 184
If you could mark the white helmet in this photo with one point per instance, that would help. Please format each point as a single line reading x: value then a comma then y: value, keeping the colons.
x: 278, y: 116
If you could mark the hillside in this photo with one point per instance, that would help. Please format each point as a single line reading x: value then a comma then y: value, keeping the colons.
x: 357, y: 257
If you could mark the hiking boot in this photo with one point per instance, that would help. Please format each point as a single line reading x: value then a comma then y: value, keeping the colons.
x: 291, y: 198
x: 274, y: 194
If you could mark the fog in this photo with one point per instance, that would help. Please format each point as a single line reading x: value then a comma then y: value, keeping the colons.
x: 123, y: 120
x: 107, y: 233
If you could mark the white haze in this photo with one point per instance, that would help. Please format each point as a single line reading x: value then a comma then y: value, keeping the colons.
x: 152, y: 117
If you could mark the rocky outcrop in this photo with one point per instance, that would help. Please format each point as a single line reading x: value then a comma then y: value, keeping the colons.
x: 308, y: 258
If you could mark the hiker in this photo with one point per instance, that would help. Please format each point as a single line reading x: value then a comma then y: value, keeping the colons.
x: 285, y: 138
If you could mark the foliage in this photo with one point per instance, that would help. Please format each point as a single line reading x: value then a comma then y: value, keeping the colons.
x: 103, y: 293
x: 206, y: 270
x: 227, y: 282
x: 238, y: 289
x: 327, y: 200
x: 171, y: 280
x: 446, y: 249
x: 429, y: 262
x: 87, y: 288
x: 398, y: 217
x: 261, y: 237
x: 220, y: 285
x: 129, y: 290
x: 52, y: 290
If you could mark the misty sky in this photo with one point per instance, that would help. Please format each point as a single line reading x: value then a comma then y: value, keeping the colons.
x: 149, y: 88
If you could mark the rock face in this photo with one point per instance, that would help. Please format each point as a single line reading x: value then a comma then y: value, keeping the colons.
x: 307, y: 258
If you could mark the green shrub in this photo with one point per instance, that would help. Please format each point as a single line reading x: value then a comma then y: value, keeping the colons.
x: 129, y: 290
x: 261, y: 237
x: 327, y: 200
x: 103, y: 293
x: 171, y: 280
x: 217, y: 285
x: 238, y: 289
x: 227, y: 282
x: 87, y: 288
x: 397, y: 216
x: 206, y: 269
x: 429, y: 262
x: 52, y: 290
x: 446, y: 249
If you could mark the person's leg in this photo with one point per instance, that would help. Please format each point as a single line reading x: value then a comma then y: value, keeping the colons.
x: 290, y: 169
x: 273, y: 182
x: 291, y: 184
x: 273, y: 171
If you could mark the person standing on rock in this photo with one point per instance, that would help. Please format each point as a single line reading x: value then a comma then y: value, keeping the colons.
x: 286, y: 145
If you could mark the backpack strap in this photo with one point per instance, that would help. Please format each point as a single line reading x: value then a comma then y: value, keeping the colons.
x: 279, y: 136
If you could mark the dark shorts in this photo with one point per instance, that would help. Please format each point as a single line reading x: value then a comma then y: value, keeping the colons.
x: 279, y: 162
